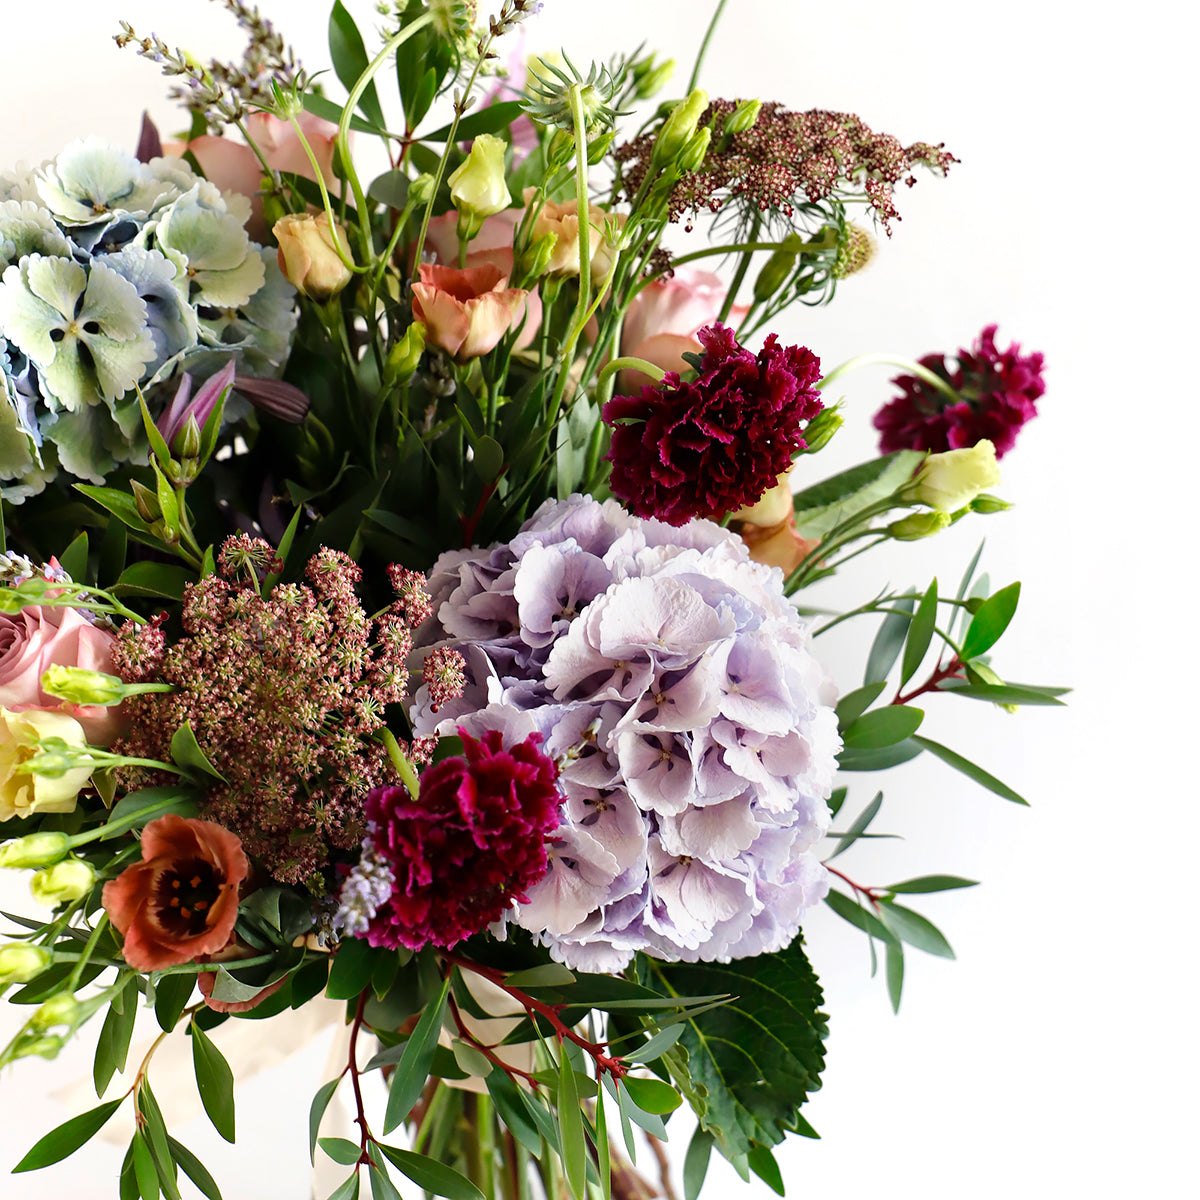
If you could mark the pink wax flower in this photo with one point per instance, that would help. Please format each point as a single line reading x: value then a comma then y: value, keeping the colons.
x: 466, y: 312
x: 703, y: 449
x: 470, y: 845
x: 998, y: 391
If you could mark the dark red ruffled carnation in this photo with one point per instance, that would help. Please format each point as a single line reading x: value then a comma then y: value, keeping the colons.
x: 703, y: 449
x: 469, y: 846
x: 998, y: 393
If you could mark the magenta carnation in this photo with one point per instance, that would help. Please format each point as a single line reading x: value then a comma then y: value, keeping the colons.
x: 468, y: 847
x: 704, y: 449
x: 998, y: 392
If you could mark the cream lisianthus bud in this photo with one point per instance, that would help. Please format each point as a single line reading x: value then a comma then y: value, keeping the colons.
x: 308, y: 257
x: 916, y: 526
x: 679, y: 127
x: 68, y: 880
x: 951, y: 480
x: 20, y: 963
x: 34, y: 850
x: 477, y: 187
x: 62, y: 1009
x: 81, y: 686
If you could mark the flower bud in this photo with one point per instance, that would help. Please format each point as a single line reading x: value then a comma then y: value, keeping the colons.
x: 477, y: 187
x: 187, y: 442
x: 62, y: 1009
x: 535, y: 258
x: 405, y: 356
x: 35, y: 850
x: 78, y: 685
x: 679, y: 128
x: 598, y: 148
x: 19, y: 963
x: 691, y: 157
x: 62, y: 883
x: 743, y: 117
x: 777, y: 270
x: 986, y: 503
x: 855, y: 249
x: 650, y: 77
x: 951, y: 480
x: 820, y: 430
x: 308, y: 256
x: 47, y: 1047
x: 145, y: 501
x: 420, y: 191
x: 916, y: 526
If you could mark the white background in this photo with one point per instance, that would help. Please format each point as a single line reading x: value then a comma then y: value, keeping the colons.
x: 1056, y: 1056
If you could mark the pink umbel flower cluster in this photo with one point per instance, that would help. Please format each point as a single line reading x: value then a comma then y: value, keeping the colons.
x: 703, y: 449
x: 785, y: 158
x: 468, y: 847
x: 998, y: 393
x: 285, y: 694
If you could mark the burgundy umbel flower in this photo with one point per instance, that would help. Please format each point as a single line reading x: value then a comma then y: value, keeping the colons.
x: 998, y: 391
x: 703, y: 449
x: 470, y: 845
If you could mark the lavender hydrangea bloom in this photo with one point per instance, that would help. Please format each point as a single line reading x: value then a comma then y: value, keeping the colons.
x: 672, y: 680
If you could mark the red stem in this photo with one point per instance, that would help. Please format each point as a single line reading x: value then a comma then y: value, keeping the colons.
x: 604, y: 1062
x: 489, y: 1051
x: 870, y: 893
x: 949, y: 671
x: 364, y: 1158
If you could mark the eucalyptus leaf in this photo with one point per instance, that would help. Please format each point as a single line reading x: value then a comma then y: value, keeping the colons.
x: 652, y: 1095
x: 573, y: 1148
x: 413, y: 1068
x: 853, y: 704
x: 931, y: 883
x: 879, y: 760
x: 194, y: 1169
x: 857, y: 915
x: 316, y: 1112
x: 889, y: 641
x: 894, y: 960
x: 695, y: 1163
x: 859, y: 827
x: 990, y: 621
x: 341, y: 1150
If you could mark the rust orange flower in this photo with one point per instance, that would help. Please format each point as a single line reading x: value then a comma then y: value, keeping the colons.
x: 180, y: 902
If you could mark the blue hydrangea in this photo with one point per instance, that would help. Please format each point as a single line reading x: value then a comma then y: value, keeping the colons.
x: 695, y: 732
x: 117, y: 276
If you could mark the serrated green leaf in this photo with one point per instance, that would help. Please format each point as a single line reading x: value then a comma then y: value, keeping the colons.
x: 970, y: 770
x: 920, y: 633
x: 931, y: 883
x: 836, y: 500
x: 857, y: 915
x: 349, y: 57
x: 194, y: 1169
x: 186, y: 752
x: 413, y: 1068
x: 67, y: 1137
x: 214, y: 1081
x: 751, y: 1062
x: 652, y: 1095
x: 762, y: 1162
x: 895, y: 975
x: 914, y: 929
x: 853, y: 704
x: 883, y: 727
x: 889, y: 641
x: 432, y: 1175
x: 316, y: 1111
x: 341, y: 1150
x: 990, y: 622
x: 861, y: 823
x: 171, y: 994
x: 695, y: 1162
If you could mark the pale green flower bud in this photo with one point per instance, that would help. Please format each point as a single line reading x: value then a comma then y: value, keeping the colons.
x: 743, y: 117
x: 47, y: 1047
x: 916, y: 526
x: 951, y: 480
x: 691, y: 157
x: 35, y: 850
x: 679, y: 128
x: 598, y: 148
x: 420, y: 191
x: 535, y: 258
x: 62, y: 1009
x: 78, y: 685
x: 68, y: 880
x: 986, y: 503
x: 187, y: 440
x: 777, y: 270
x: 477, y: 187
x: 145, y: 501
x: 650, y: 77
x: 20, y: 963
x: 405, y: 356
x: 820, y: 430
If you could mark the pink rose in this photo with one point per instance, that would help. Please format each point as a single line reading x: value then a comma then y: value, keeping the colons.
x: 466, y: 312
x: 39, y: 637
x: 233, y: 166
x: 661, y: 323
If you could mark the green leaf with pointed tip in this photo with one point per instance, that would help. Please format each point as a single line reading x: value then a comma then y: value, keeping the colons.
x: 186, y: 752
x: 885, y: 649
x: 74, y: 559
x: 895, y: 975
x: 853, y: 704
x: 1000, y: 693
x: 67, y: 1137
x: 194, y: 1169
x: 762, y: 1162
x: 652, y: 1095
x: 112, y: 1048
x: 883, y: 727
x: 432, y: 1175
x: 143, y: 1167
x: 382, y: 1188
x: 657, y: 1045
x: 914, y: 929
x: 171, y: 994
x: 546, y: 975
x: 861, y: 824
x: 931, y: 883
x: 857, y: 915
x: 157, y: 444
x: 970, y: 770
x: 349, y: 57
x: 492, y: 119
x: 413, y: 1068
x: 316, y: 1111
x: 322, y: 106
x: 214, y: 1081
x: 353, y: 965
x: 920, y: 633
x: 347, y: 1189
x: 881, y: 759
x: 752, y: 1062
x: 513, y: 1112
x: 163, y: 580
x: 572, y: 1146
x: 695, y: 1163
x: 990, y: 621
x: 119, y: 504
x: 341, y: 1150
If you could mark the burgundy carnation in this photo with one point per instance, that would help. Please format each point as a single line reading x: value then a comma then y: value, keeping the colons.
x: 998, y: 391
x: 468, y: 847
x: 710, y: 447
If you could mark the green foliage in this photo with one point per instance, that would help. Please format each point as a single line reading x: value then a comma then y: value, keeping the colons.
x: 64, y: 1140
x: 214, y: 1081
x: 413, y: 1069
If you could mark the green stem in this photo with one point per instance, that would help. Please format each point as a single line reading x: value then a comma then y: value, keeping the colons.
x: 632, y: 363
x: 344, y: 254
x: 73, y: 979
x: 740, y: 274
x: 404, y: 769
x: 922, y: 373
x: 712, y: 25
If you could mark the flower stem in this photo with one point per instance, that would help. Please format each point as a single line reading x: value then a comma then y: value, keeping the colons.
x: 913, y: 368
x: 712, y: 25
x: 628, y: 361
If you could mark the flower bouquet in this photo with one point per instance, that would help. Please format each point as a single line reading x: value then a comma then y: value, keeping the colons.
x: 406, y: 602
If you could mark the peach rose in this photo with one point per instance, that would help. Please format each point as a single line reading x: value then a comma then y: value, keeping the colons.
x: 38, y: 637
x: 234, y: 167
x: 466, y: 312
x: 180, y: 902
x: 308, y: 257
x: 562, y: 220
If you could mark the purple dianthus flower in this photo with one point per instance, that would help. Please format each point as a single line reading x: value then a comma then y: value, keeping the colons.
x: 702, y: 449
x: 998, y: 392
